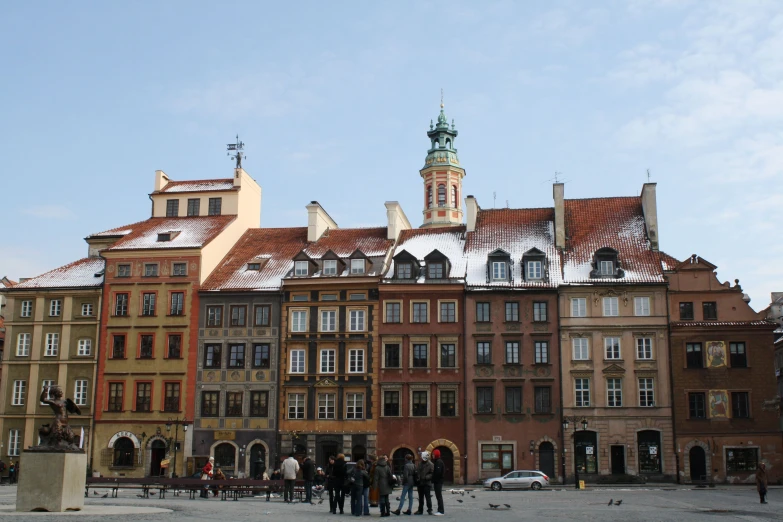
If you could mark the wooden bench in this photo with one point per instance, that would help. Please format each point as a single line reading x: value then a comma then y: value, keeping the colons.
x: 115, y: 483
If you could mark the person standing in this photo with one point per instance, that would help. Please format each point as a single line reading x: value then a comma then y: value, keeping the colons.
x: 206, y: 474
x: 340, y: 482
x: 308, y: 475
x: 360, y: 478
x: 383, y: 481
x: 425, y: 469
x: 439, y: 469
x: 408, y: 483
x: 289, y: 469
x: 330, y: 484
x: 761, y: 482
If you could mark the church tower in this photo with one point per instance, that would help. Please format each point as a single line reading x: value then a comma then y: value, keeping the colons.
x: 442, y: 176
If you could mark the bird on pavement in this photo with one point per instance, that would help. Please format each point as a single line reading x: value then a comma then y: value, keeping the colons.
x: 618, y: 502
x: 321, y: 501
x: 152, y: 492
x: 106, y: 495
x: 94, y: 492
x: 398, y: 498
x: 462, y: 493
x: 509, y: 507
x: 494, y: 506
x: 140, y: 496
x: 473, y: 496
x: 611, y: 501
x: 459, y: 500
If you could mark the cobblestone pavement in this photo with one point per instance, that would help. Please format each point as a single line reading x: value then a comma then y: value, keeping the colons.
x: 664, y: 504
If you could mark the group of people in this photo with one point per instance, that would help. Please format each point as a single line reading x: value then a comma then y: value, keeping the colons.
x: 13, y: 471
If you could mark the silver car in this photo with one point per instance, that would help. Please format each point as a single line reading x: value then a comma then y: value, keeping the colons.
x: 521, y: 479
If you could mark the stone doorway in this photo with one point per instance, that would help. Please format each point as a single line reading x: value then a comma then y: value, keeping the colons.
x: 698, y: 464
x: 618, y: 459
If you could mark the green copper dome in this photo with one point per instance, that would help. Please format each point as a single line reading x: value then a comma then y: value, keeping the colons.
x: 442, y: 137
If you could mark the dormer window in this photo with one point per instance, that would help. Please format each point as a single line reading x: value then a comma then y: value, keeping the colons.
x: 301, y: 268
x: 533, y: 270
x: 330, y: 267
x: 357, y: 266
x: 606, y: 263
x: 498, y: 266
x: 435, y: 270
x: 499, y: 271
x: 165, y: 236
x: 606, y: 268
x: 404, y: 271
x: 406, y: 266
x: 254, y: 266
x: 534, y: 265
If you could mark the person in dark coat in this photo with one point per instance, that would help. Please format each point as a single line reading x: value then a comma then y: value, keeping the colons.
x: 360, y: 478
x: 408, y: 484
x: 308, y: 475
x: 337, y: 480
x: 439, y: 469
x: 761, y: 482
x: 382, y: 480
x: 425, y: 469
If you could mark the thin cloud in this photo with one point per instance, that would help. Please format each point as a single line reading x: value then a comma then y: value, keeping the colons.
x: 49, y: 212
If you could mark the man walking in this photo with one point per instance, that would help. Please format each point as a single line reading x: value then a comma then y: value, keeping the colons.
x: 308, y: 475
x: 437, y: 480
x: 408, y: 484
x: 289, y: 469
x: 761, y: 482
x: 425, y: 470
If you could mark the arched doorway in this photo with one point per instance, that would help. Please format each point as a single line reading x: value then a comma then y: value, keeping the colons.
x: 359, y: 452
x: 157, y: 454
x: 698, y: 464
x: 448, y: 461
x: 257, y: 461
x: 649, y: 451
x: 123, y: 453
x: 546, y: 459
x: 225, y: 458
x: 398, y: 459
x: 586, y: 451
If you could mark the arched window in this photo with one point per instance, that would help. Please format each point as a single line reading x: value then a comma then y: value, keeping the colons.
x: 429, y: 196
x: 441, y: 195
x: 448, y: 144
x: 454, y: 199
x: 225, y: 456
x: 123, y: 452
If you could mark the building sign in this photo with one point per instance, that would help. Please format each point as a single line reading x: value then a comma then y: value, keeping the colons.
x: 589, y: 450
x: 497, y: 438
x: 716, y: 354
x: 719, y: 401
x: 127, y: 434
x: 225, y: 435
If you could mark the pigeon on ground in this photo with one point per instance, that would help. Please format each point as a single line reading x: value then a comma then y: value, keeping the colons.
x: 398, y: 498
x: 462, y: 493
x: 152, y: 492
x: 494, y: 506
x: 618, y: 502
x: 106, y: 495
x: 94, y: 492
x: 140, y: 496
x: 509, y: 507
x: 459, y: 500
x: 473, y: 496
x: 611, y: 500
x: 321, y: 501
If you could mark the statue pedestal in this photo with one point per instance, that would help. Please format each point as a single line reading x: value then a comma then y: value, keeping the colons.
x: 51, y: 481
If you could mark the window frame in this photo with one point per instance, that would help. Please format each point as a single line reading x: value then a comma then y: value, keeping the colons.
x: 398, y: 346
x: 194, y: 207
x: 415, y: 346
x: 172, y: 208
x: 216, y: 356
x: 115, y: 396
x: 415, y: 394
x: 449, y: 357
x: 356, y: 361
x: 641, y: 306
x: 740, y: 400
x: 450, y: 315
x: 483, y: 312
x: 499, y: 270
x: 615, y: 349
x: 214, y: 206
x: 357, y: 319
x: 124, y: 270
x: 511, y: 309
x: 485, y: 400
x: 169, y: 397
x: 149, y: 303
x: 646, y: 387
x: 614, y: 392
x: 416, y: 312
x: 330, y: 314
x: 516, y: 409
x: 214, y: 316
x: 325, y: 411
x: 540, y: 393
x: 177, y: 303
x: 583, y: 350
x: 454, y: 411
x: 237, y: 316
x: 690, y: 360
x: 709, y: 310
x: 327, y: 365
x: 397, y: 393
x: 644, y: 348
x: 541, y: 352
x: 84, y: 347
x: 298, y: 404
x: 686, y: 310
x: 301, y: 268
x: 143, y: 337
x: 301, y: 324
x: 540, y: 312
x: 737, y: 359
x: 516, y: 353
x: 354, y: 405
x: 236, y: 349
x: 693, y: 407
x: 142, y: 397
x: 26, y: 308
x: 52, y: 344
x: 538, y: 268
x: 578, y: 307
x: 80, y: 396
x: 23, y: 348
x: 150, y: 270
x: 395, y: 313
x: 582, y: 392
x: 55, y: 307
x: 611, y: 304
x: 259, y: 408
x: 89, y: 308
x: 298, y: 357
x: 358, y: 266
x: 234, y: 407
x: 114, y: 345
x: 213, y: 403
x: 266, y: 315
x: 485, y: 358
x: 19, y: 391
x: 329, y: 267
x: 265, y: 351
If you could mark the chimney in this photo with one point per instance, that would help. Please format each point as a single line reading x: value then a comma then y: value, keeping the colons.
x: 238, y: 173
x: 318, y: 221
x: 650, y: 210
x: 397, y: 220
x: 558, y: 193
x: 161, y: 180
x: 473, y: 209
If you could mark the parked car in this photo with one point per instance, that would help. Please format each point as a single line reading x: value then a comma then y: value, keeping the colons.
x: 520, y: 479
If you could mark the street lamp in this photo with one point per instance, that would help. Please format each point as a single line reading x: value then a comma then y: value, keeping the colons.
x: 566, y: 422
x: 176, y: 422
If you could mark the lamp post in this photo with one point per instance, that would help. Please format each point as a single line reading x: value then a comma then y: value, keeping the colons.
x: 577, y: 421
x: 177, y: 423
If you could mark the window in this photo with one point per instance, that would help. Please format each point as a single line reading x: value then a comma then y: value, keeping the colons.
x: 686, y: 311
x: 84, y: 347
x: 27, y: 309
x: 357, y: 297
x: 484, y: 399
x: 737, y: 355
x: 614, y: 393
x: 543, y: 399
x: 145, y: 347
x: 697, y: 405
x: 435, y: 270
x: 299, y: 321
x: 448, y: 312
x: 420, y: 355
x: 448, y: 355
x: 535, y: 270
x: 582, y: 389
x: 441, y: 195
x: 301, y: 268
x: 482, y: 313
x: 512, y: 352
x: 172, y: 207
x: 214, y: 206
x: 148, y: 304
x: 540, y: 311
x: 606, y: 268
x: 483, y: 353
x: 710, y: 311
x: 233, y: 404
x: 87, y: 309
x: 44, y: 384
x: 391, y: 403
x: 327, y: 360
x: 393, y: 312
x: 429, y: 193
x: 514, y: 399
x: 391, y: 356
x: 236, y: 355
x: 209, y: 403
x: 646, y: 393
x: 512, y: 312
x: 259, y: 404
x: 116, y: 391
x: 177, y: 302
x: 612, y: 348
x: 579, y: 307
x: 579, y: 345
x: 357, y: 266
x: 23, y: 344
x: 194, y: 205
x: 261, y: 356
x: 404, y: 271
x: 297, y: 361
x: 80, y: 392
x: 542, y: 352
x: 419, y: 312
x: 13, y: 443
x: 123, y: 270
x: 214, y: 316
x: 644, y: 348
x: 143, y: 396
x: 740, y: 405
x: 175, y: 346
x: 329, y: 297
x: 355, y: 361
x: 454, y: 202
x: 212, y: 356
x: 356, y: 321
x: 171, y: 401
x: 330, y: 267
x: 55, y: 307
x: 641, y: 305
x: 499, y: 270
x: 354, y: 408
x: 448, y: 403
x: 419, y: 403
x: 118, y: 347
x: 611, y: 307
x: 693, y: 357
x: 150, y: 270
x: 19, y: 391
x: 326, y: 406
x: 742, y: 459
x: 238, y: 314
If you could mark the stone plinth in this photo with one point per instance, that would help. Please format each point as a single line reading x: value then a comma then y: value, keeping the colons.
x: 51, y: 481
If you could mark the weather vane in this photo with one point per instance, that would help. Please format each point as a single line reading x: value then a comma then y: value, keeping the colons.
x: 237, y: 148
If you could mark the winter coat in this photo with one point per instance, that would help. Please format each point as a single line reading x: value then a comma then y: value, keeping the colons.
x: 361, y: 478
x: 439, y: 468
x: 289, y: 469
x: 761, y: 479
x: 308, y: 469
x: 337, y: 474
x: 407, y: 473
x: 207, y: 470
x: 426, y: 469
x: 382, y: 478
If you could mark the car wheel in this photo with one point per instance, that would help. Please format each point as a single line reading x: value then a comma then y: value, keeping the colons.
x: 496, y: 486
x: 536, y: 486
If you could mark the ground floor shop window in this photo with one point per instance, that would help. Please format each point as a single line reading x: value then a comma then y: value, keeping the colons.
x: 649, y: 451
x: 586, y: 446
x: 225, y: 455
x: 123, y: 453
x: 498, y: 457
x: 742, y: 459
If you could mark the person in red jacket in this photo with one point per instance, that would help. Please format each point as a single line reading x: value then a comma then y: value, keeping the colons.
x: 206, y: 474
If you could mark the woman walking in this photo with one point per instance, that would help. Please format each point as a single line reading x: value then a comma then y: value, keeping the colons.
x: 407, y: 485
x: 383, y: 481
x: 761, y: 482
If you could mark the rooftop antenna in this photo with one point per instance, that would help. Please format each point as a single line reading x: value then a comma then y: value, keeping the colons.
x: 494, y: 198
x: 506, y: 203
x: 648, y: 175
x: 441, y: 98
x: 558, y: 178
x: 236, y: 148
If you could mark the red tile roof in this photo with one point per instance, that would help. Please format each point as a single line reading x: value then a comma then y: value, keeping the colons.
x: 668, y: 262
x: 419, y: 242
x: 200, y: 185
x: 187, y: 232
x: 84, y: 273
x: 344, y: 241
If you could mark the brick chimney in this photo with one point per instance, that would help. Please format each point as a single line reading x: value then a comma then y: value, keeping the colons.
x: 558, y: 193
x: 649, y: 207
x: 318, y: 221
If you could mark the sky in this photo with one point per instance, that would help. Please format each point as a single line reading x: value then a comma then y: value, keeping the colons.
x: 333, y: 101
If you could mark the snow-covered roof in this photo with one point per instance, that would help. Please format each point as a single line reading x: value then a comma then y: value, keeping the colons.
x: 345, y: 241
x: 668, y: 262
x: 516, y: 231
x: 84, y: 273
x: 449, y: 241
x: 199, y: 185
x: 185, y: 232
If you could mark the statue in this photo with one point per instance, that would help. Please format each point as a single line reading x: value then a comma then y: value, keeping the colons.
x: 57, y: 436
